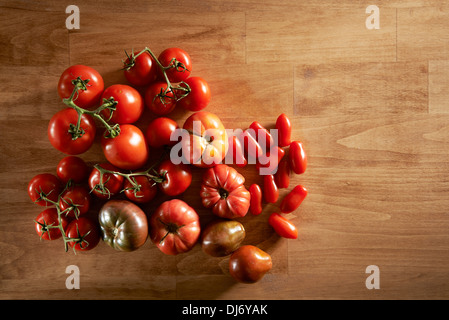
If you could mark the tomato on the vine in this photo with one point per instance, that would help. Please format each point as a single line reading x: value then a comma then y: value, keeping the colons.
x: 75, y: 201
x: 84, y: 234
x: 199, y: 95
x: 129, y: 105
x: 175, y: 178
x: 87, y: 98
x: 159, y: 131
x: 44, y: 185
x: 61, y: 132
x: 143, y: 72
x: 145, y: 192
x: 159, y: 99
x: 47, y: 224
x: 178, y: 64
x: 107, y: 184
x: 72, y: 168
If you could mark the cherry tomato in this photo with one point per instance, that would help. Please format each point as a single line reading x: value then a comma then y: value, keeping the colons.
x: 293, y: 199
x: 85, y: 234
x: 47, y: 224
x: 270, y: 189
x: 75, y: 201
x: 128, y: 150
x: 282, y: 226
x: 256, y: 199
x: 174, y: 227
x: 145, y: 192
x: 249, y: 264
x: 94, y: 87
x: 282, y: 176
x: 159, y: 132
x: 297, y: 157
x: 143, y: 72
x: 72, y: 168
x: 60, y: 132
x: 176, y: 178
x: 47, y: 185
x: 199, y: 96
x: 158, y: 99
x: 179, y: 63
x: 129, y: 105
x: 222, y: 190
x: 284, y: 128
x: 106, y: 185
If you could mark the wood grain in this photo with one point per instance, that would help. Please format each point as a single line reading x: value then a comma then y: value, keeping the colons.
x: 370, y: 106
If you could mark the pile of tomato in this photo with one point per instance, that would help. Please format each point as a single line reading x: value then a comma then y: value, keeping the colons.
x: 127, y: 179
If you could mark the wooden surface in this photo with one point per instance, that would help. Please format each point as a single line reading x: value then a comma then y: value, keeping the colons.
x: 371, y: 106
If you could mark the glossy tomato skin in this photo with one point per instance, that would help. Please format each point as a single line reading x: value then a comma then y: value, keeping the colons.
x: 176, y: 178
x: 180, y: 70
x: 84, y: 98
x: 207, y: 144
x: 72, y: 168
x: 143, y: 72
x: 146, y: 192
x: 235, y: 154
x: 159, y: 131
x: 76, y: 200
x: 199, y: 96
x: 249, y: 264
x: 129, y: 107
x: 85, y: 232
x: 270, y: 189
x: 124, y: 226
x: 284, y: 127
x: 158, y: 99
x: 46, y: 223
x: 223, y: 191
x: 263, y: 136
x: 282, y: 176
x: 269, y: 162
x: 282, y: 226
x: 113, y: 183
x: 256, y: 199
x: 174, y: 227
x: 45, y: 183
x: 297, y: 157
x: 128, y: 150
x: 62, y: 139
x: 222, y: 237
x: 293, y: 199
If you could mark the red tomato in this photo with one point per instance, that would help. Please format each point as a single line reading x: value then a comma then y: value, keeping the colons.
x: 72, y: 168
x: 270, y: 190
x: 284, y: 128
x: 107, y: 185
x: 282, y: 176
x: 84, y: 234
x: 143, y: 72
x: 47, y: 224
x: 174, y: 227
x: 94, y: 87
x: 158, y: 99
x: 199, y: 96
x: 128, y: 150
x: 293, y: 199
x: 178, y: 63
x: 208, y: 141
x: 297, y: 157
x: 235, y: 154
x: 129, y: 105
x: 44, y: 185
x: 249, y: 264
x: 145, y: 192
x: 282, y: 226
x: 256, y: 199
x: 176, y: 178
x: 263, y: 136
x: 159, y: 132
x: 75, y: 201
x: 222, y: 190
x: 61, y: 127
x: 252, y: 148
x: 270, y: 160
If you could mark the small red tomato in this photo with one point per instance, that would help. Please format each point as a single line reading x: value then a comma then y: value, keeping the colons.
x: 176, y: 178
x: 47, y: 224
x: 264, y: 137
x: 198, y: 97
x: 106, y: 185
x: 129, y: 105
x: 235, y: 155
x: 75, y: 201
x: 282, y: 226
x: 297, y: 157
x: 293, y: 199
x: 84, y: 234
x: 145, y: 191
x: 178, y: 64
x: 270, y: 189
x: 44, y: 185
x: 72, y: 168
x: 142, y: 72
x: 256, y: 199
x: 282, y: 176
x: 252, y: 148
x: 284, y: 128
x: 249, y: 264
x: 158, y: 99
x: 159, y: 132
x: 269, y: 162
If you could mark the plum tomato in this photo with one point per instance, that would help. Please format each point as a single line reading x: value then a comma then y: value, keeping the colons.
x: 256, y: 199
x: 249, y: 264
x: 177, y: 63
x: 129, y: 105
x: 282, y: 226
x: 293, y: 199
x: 222, y: 237
x: 47, y: 185
x: 284, y: 128
x: 282, y: 175
x: 297, y: 157
x: 270, y: 189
